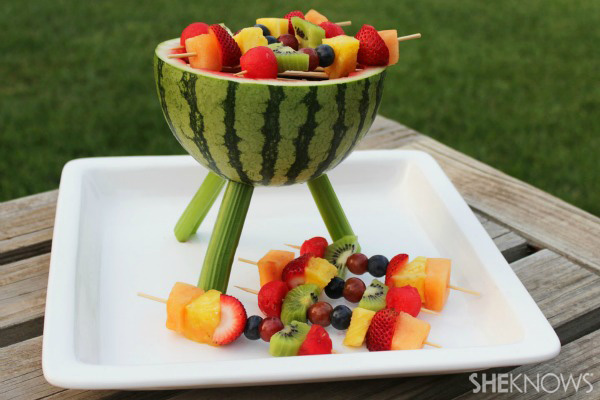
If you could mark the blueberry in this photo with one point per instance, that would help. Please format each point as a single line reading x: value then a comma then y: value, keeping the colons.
x: 326, y: 55
x: 340, y: 317
x: 377, y: 266
x: 335, y: 288
x: 271, y: 39
x: 266, y: 31
x: 251, y: 330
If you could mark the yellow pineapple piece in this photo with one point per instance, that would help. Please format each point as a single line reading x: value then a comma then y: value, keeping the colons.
x: 319, y: 272
x: 359, y: 324
x: 413, y: 275
x: 346, y: 51
x: 277, y: 26
x: 249, y: 38
x: 203, y: 316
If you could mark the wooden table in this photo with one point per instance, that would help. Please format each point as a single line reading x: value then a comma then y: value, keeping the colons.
x: 552, y: 246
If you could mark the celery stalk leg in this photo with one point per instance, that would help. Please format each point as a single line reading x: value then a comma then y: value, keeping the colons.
x: 200, y: 205
x: 225, y: 237
x: 330, y: 208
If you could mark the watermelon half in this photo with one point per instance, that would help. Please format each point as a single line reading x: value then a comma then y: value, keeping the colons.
x: 265, y: 132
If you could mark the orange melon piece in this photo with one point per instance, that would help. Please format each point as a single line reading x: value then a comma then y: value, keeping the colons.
x: 272, y: 264
x: 346, y: 51
x: 202, y: 316
x: 315, y: 17
x: 181, y: 295
x: 390, y: 37
x: 410, y: 333
x: 436, y: 283
x: 208, y: 52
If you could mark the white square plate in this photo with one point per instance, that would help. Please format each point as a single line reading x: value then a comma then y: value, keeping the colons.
x: 113, y: 237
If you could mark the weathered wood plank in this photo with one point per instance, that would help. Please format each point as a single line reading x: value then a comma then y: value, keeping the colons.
x: 27, y: 214
x: 579, y: 357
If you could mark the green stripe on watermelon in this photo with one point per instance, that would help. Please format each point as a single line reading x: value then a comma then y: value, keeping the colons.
x: 264, y: 132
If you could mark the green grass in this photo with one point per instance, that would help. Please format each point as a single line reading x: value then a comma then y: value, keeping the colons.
x: 513, y: 83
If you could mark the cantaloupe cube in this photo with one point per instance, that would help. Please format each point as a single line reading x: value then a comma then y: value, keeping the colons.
x: 346, y: 51
x: 320, y: 272
x: 277, y: 26
x: 181, y: 295
x: 248, y: 38
x: 436, y: 283
x: 272, y: 264
x: 410, y: 333
x: 390, y: 37
x: 208, y: 52
x: 315, y: 17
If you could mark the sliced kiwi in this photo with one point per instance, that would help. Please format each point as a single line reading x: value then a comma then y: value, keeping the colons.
x: 307, y: 33
x: 275, y: 46
x: 374, y: 297
x: 297, y: 301
x: 338, y: 252
x: 287, y: 341
x: 289, y: 59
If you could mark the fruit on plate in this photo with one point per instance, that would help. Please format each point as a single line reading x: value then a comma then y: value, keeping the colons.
x: 297, y: 302
x: 354, y: 288
x: 320, y: 313
x: 374, y: 298
x: 390, y: 37
x: 315, y: 246
x: 331, y: 29
x: 259, y: 63
x: 307, y: 33
x: 249, y: 38
x: 289, y: 16
x: 276, y: 26
x: 317, y: 341
x: 230, y: 51
x: 437, y: 283
x: 359, y: 324
x: 202, y: 317
x: 410, y: 333
x: 272, y: 264
x: 271, y: 296
x: 346, y: 52
x: 381, y: 331
x: 377, y: 265
x: 396, y: 264
x: 287, y: 341
x: 208, y: 52
x: 338, y: 252
x: 335, y: 288
x: 257, y: 151
x: 340, y: 317
x: 181, y: 295
x: 193, y: 29
x: 315, y: 17
x: 252, y: 331
x: 232, y: 321
x: 412, y: 274
x: 308, y: 269
x: 268, y: 327
x: 373, y: 49
x: 357, y: 263
x: 405, y: 298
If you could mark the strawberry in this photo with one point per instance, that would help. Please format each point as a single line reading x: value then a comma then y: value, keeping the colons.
x: 229, y: 48
x: 289, y: 16
x: 381, y: 331
x: 331, y: 29
x: 194, y: 29
x: 232, y: 323
x: 293, y: 273
x: 260, y: 63
x: 405, y: 298
x: 372, y: 50
x: 270, y: 298
x: 317, y: 342
x: 395, y: 265
x: 315, y: 246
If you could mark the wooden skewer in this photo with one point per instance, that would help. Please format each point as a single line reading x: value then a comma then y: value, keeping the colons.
x: 244, y: 260
x: 432, y: 344
x: 304, y: 74
x: 293, y: 246
x: 178, y: 47
x: 343, y: 23
x: 461, y: 289
x: 150, y: 297
x: 181, y: 55
x: 409, y: 37
x: 428, y: 311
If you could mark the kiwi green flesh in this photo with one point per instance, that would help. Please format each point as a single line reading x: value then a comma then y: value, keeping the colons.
x: 338, y: 252
x: 297, y: 301
x: 374, y: 297
x: 287, y: 341
x: 307, y: 33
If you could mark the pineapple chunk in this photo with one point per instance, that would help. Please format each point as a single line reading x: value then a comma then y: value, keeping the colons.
x: 277, y: 26
x: 413, y: 275
x: 203, y: 316
x: 346, y: 51
x: 249, y: 38
x: 319, y: 272
x: 359, y: 324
